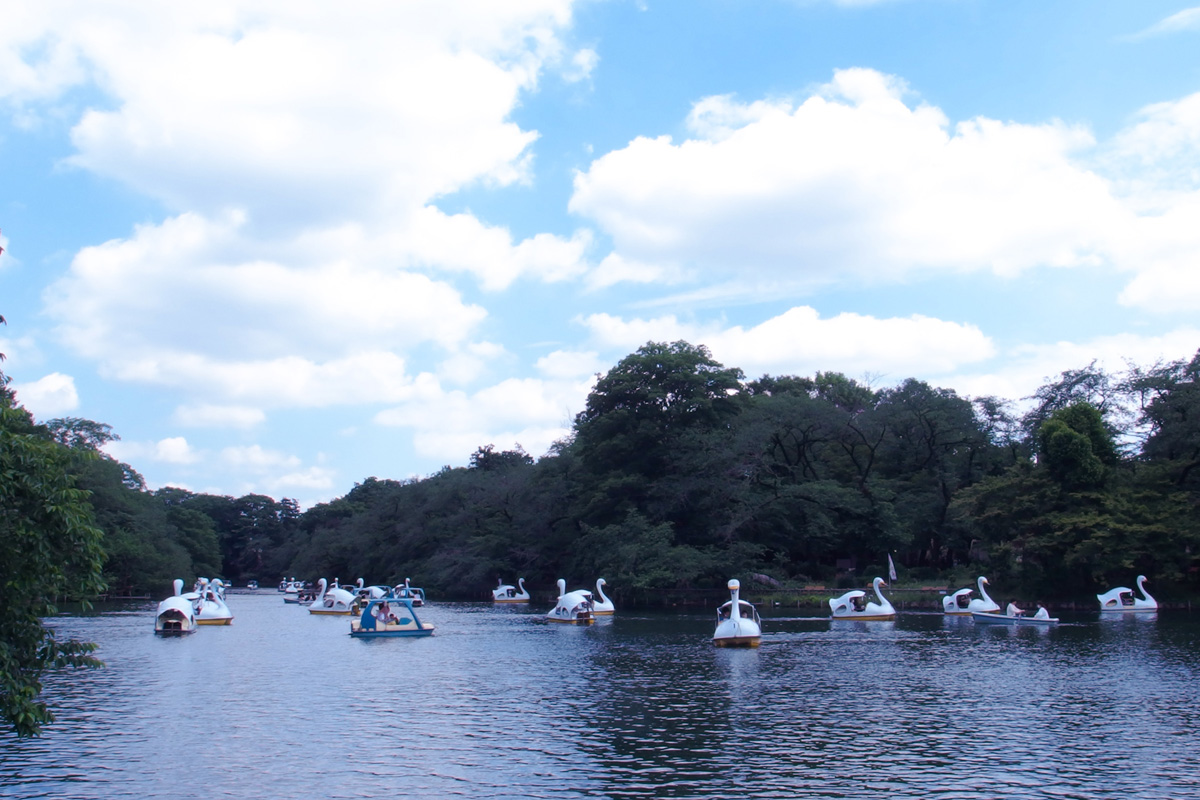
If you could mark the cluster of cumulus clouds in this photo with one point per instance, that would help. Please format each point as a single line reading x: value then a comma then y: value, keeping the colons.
x: 303, y: 262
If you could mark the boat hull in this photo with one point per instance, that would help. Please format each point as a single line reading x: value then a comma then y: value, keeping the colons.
x: 223, y: 621
x: 737, y: 641
x: 391, y: 634
x: 1005, y: 619
x: 571, y: 621
x: 865, y: 617
x: 513, y: 601
x: 1128, y: 610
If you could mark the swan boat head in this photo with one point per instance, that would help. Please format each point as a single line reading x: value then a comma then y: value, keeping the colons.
x: 604, y: 605
x: 984, y: 603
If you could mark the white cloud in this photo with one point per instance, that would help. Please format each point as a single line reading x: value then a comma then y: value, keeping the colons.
x: 1186, y: 20
x: 302, y: 147
x: 615, y: 268
x: 254, y: 458
x: 852, y: 184
x: 175, y: 450
x: 801, y: 342
x: 573, y: 364
x: 855, y: 186
x: 1027, y: 367
x: 290, y: 107
x: 451, y: 424
x: 49, y: 396
x: 582, y: 64
x: 213, y: 416
x: 311, y: 478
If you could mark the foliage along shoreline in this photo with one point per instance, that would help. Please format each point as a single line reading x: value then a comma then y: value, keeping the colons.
x: 679, y: 472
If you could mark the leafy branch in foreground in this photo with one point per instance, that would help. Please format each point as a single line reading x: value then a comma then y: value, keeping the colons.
x: 50, y: 548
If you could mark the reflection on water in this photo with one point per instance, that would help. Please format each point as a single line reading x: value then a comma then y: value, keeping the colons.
x: 499, y: 705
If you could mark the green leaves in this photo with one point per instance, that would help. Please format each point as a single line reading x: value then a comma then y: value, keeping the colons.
x: 49, y: 548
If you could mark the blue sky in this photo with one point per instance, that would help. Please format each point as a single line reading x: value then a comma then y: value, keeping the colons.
x: 284, y: 246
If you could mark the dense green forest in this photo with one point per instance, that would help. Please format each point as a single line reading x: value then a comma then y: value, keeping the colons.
x: 680, y: 473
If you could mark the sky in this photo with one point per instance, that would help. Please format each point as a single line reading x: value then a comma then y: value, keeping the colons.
x: 284, y: 246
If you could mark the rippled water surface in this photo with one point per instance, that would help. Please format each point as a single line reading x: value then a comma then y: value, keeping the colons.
x: 283, y: 704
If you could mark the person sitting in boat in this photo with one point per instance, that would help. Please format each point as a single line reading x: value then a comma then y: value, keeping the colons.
x: 1013, y: 611
x: 859, y: 602
x: 384, y: 614
x: 1042, y: 613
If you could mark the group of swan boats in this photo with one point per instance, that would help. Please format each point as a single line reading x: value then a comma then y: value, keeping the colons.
x: 382, y: 611
x: 183, y: 612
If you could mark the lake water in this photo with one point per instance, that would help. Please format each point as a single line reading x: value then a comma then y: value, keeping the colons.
x: 283, y: 704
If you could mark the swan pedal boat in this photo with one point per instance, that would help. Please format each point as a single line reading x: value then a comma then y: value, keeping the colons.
x: 573, y: 608
x: 996, y: 618
x: 336, y: 601
x: 403, y: 591
x: 853, y: 605
x: 175, y: 615
x: 507, y: 593
x: 389, y: 618
x: 208, y: 600
x: 1122, y: 600
x: 738, y: 623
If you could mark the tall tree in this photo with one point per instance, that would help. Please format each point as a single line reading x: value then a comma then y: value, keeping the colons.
x: 637, y: 411
x: 50, y: 548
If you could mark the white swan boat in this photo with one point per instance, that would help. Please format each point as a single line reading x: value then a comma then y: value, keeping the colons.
x: 507, y: 593
x: 331, y: 602
x: 291, y: 590
x: 388, y: 618
x: 406, y: 592
x: 854, y: 604
x: 1122, y: 600
x: 1014, y: 616
x: 738, y: 624
x: 208, y: 601
x: 175, y: 615
x: 604, y: 606
x: 984, y: 603
x: 363, y: 593
x: 573, y: 608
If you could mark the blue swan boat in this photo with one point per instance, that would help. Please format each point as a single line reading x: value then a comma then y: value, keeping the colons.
x: 389, y: 617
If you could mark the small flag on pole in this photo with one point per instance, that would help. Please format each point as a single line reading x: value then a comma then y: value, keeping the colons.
x: 891, y: 569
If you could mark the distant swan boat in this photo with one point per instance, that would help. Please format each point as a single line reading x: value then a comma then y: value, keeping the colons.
x: 506, y: 593
x: 1122, y: 599
x: 738, y: 624
x: 854, y: 605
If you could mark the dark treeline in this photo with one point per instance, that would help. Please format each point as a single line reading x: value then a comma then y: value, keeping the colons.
x: 680, y: 473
